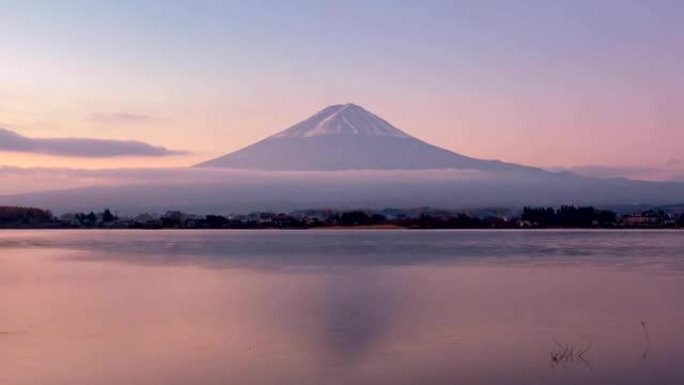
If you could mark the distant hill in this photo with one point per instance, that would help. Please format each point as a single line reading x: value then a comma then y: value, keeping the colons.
x: 231, y: 191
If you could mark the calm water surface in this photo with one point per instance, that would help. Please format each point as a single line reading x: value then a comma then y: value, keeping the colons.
x: 341, y: 307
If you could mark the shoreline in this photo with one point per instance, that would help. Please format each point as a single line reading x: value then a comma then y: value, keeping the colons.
x: 350, y: 228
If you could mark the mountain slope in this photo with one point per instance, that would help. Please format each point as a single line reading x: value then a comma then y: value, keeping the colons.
x: 347, y: 137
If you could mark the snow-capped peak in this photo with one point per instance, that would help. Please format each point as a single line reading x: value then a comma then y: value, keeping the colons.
x: 346, y: 119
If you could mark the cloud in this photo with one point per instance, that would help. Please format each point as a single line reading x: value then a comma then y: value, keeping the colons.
x: 15, y: 180
x: 597, y: 171
x: 672, y: 171
x: 121, y: 118
x: 674, y: 163
x: 79, y: 147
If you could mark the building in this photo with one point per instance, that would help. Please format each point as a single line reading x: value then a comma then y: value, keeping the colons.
x: 646, y: 219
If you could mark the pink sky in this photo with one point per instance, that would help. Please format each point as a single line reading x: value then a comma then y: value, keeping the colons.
x: 572, y: 84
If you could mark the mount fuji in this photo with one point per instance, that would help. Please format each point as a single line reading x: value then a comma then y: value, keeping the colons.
x: 341, y: 157
x: 348, y: 137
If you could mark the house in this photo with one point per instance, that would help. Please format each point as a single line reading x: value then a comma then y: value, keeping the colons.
x: 645, y: 219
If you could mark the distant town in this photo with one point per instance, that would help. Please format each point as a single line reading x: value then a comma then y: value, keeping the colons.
x: 419, y: 218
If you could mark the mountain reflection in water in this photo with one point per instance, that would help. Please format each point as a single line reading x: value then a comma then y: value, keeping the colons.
x: 337, y: 307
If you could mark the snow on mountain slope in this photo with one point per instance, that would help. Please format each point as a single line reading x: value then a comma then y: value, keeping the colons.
x: 348, y: 119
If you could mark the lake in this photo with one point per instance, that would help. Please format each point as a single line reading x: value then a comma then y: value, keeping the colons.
x: 341, y: 307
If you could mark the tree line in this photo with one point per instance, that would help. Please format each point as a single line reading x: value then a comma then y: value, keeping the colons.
x: 529, y: 217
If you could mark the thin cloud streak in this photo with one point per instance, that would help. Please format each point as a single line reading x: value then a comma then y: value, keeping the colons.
x: 80, y: 147
x: 16, y: 180
x: 672, y: 171
x: 121, y: 118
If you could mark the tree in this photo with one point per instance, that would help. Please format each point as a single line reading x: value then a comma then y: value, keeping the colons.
x: 24, y: 216
x: 354, y: 218
x: 216, y: 221
x: 108, y: 217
